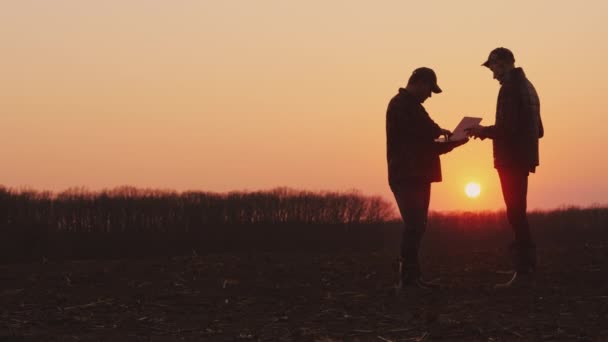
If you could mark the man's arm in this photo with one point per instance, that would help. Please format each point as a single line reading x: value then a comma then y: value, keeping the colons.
x: 448, y: 146
x: 520, y: 115
x: 422, y: 126
x: 481, y: 132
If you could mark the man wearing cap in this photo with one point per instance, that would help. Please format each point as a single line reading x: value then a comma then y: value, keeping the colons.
x: 413, y: 164
x: 514, y: 135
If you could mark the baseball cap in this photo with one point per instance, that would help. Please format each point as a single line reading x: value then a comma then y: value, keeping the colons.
x: 428, y: 75
x: 502, y: 54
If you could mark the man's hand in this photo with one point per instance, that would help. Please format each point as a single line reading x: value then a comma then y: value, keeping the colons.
x: 477, y: 132
x: 446, y: 147
x: 446, y: 133
x: 457, y: 143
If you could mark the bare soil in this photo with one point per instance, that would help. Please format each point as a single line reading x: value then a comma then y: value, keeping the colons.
x: 308, y: 296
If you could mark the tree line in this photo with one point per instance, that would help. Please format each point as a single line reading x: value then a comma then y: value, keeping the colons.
x: 131, y: 209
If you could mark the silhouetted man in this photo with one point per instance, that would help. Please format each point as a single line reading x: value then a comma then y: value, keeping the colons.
x: 413, y: 164
x: 514, y: 135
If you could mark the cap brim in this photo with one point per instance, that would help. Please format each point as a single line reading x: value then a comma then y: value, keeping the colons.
x: 436, y: 89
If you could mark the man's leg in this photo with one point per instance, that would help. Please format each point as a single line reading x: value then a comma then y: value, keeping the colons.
x: 413, y: 202
x: 514, y: 183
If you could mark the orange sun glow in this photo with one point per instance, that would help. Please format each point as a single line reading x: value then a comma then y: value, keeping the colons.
x: 472, y: 190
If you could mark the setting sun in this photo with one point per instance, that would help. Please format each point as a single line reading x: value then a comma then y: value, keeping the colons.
x: 472, y: 190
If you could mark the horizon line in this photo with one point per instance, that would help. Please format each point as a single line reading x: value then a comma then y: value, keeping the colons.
x: 354, y: 191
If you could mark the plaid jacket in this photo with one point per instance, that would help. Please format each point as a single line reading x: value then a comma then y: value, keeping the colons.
x: 518, y: 124
x: 411, y: 151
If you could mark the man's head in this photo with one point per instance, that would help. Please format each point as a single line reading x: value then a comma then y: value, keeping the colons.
x: 423, y: 83
x: 500, y: 61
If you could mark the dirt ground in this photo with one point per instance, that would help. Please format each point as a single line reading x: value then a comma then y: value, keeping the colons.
x: 306, y: 297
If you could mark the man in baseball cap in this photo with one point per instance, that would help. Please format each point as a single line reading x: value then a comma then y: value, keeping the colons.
x: 499, y: 54
x: 427, y: 75
x: 515, y: 136
x: 413, y: 158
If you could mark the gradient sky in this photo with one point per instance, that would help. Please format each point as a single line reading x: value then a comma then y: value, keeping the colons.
x: 249, y: 95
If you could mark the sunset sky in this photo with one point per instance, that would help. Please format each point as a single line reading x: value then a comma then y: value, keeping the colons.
x: 251, y: 95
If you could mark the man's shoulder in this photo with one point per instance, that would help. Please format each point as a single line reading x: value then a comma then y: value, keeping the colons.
x: 518, y: 85
x: 403, y: 100
x: 524, y: 87
x: 520, y: 79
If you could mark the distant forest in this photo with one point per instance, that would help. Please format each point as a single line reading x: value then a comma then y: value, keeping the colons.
x: 129, y: 209
x: 132, y: 222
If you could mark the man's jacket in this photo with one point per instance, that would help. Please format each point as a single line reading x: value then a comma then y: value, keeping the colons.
x: 411, y: 150
x: 518, y: 124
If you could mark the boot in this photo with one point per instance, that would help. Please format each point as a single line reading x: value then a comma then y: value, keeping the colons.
x: 524, y: 263
x: 523, y: 257
x: 410, y: 277
x: 518, y: 280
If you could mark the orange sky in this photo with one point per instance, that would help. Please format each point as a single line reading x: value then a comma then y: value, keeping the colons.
x: 236, y: 95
